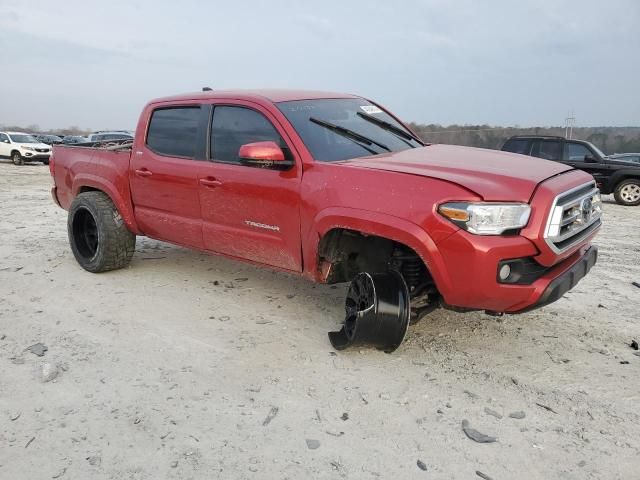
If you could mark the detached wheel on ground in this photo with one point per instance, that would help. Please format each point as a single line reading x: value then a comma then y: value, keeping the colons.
x: 17, y: 158
x: 99, y: 239
x: 628, y: 192
x: 377, y: 312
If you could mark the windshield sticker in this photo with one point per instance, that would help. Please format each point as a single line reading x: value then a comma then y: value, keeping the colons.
x: 370, y: 109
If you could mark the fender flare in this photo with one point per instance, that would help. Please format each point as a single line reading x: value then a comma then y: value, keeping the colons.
x: 379, y: 224
x: 122, y: 204
x: 623, y: 174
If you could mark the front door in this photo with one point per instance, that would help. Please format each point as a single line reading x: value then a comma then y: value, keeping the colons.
x: 249, y: 212
x: 580, y: 156
x: 164, y: 177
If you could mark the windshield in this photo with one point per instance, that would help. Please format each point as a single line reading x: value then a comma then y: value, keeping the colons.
x: 315, y: 122
x: 23, y: 138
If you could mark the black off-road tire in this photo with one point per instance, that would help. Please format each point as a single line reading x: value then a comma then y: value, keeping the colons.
x: 17, y: 158
x: 627, y: 192
x: 98, y: 236
x: 45, y: 162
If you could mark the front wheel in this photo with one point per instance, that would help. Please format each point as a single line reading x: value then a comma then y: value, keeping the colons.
x: 45, y: 162
x: 377, y: 312
x: 628, y: 192
x: 17, y: 158
x: 99, y: 239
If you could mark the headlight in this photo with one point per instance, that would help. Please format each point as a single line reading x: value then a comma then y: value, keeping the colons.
x: 486, y: 218
x: 28, y: 148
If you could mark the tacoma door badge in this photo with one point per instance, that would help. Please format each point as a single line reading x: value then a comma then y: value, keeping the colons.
x: 273, y: 228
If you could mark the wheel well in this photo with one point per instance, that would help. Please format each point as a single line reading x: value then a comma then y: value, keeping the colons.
x: 15, y: 151
x: 85, y: 188
x: 343, y: 253
x: 624, y: 178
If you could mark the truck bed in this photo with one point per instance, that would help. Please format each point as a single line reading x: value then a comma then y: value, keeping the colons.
x: 101, y: 166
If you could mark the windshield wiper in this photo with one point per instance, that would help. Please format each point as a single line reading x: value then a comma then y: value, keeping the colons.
x: 390, y: 127
x: 350, y: 134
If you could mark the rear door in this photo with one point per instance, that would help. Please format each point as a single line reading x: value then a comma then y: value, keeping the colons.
x: 164, y: 175
x: 517, y: 145
x: 247, y: 211
x: 549, y: 149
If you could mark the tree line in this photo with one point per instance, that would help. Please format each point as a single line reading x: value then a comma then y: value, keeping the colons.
x: 608, y: 139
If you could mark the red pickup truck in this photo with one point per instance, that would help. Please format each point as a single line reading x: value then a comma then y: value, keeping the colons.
x: 335, y: 188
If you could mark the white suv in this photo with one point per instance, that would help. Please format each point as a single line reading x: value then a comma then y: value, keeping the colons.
x: 23, y: 146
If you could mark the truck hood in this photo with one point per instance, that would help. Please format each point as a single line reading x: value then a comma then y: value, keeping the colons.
x: 492, y: 174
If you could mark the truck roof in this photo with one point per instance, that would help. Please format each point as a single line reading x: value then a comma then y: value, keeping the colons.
x: 271, y: 95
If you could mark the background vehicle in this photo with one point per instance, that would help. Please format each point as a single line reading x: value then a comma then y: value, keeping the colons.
x: 612, y: 175
x: 335, y: 188
x: 20, y: 146
x: 111, y: 135
x: 73, y: 139
x: 49, y: 139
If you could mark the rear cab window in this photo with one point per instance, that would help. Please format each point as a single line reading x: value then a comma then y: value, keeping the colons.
x: 173, y: 131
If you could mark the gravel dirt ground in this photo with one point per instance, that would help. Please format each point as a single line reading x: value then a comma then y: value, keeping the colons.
x: 191, y: 366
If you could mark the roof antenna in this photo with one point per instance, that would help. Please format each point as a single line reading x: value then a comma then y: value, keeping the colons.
x: 207, y: 89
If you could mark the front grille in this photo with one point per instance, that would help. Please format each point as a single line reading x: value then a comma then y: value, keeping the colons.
x: 42, y: 150
x: 574, y: 216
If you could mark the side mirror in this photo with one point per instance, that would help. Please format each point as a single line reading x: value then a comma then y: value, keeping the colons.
x: 264, y: 155
x: 5, y: 141
x: 590, y: 159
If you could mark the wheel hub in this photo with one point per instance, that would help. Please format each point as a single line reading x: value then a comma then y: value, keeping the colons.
x: 630, y: 193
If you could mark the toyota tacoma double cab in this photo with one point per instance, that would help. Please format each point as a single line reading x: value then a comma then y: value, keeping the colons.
x: 612, y: 174
x: 334, y: 188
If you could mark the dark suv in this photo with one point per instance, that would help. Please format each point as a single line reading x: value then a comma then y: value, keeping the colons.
x: 613, y: 175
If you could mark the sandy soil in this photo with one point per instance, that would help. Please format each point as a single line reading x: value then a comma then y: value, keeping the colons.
x: 192, y: 366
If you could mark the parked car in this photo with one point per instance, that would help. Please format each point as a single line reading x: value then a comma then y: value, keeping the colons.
x: 612, y: 175
x: 112, y: 135
x: 73, y: 139
x: 20, y: 146
x: 626, y: 157
x: 49, y: 139
x: 335, y: 188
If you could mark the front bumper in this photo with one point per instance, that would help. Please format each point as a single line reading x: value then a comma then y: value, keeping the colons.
x: 469, y: 280
x: 567, y: 280
x: 36, y: 155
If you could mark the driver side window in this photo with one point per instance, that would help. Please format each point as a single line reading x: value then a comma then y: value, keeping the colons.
x: 575, y: 152
x: 233, y: 127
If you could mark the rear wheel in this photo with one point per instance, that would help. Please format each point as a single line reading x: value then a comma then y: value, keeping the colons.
x: 17, y: 158
x: 99, y: 239
x: 628, y: 192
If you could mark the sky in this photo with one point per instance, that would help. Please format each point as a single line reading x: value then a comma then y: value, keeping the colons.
x: 509, y: 63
